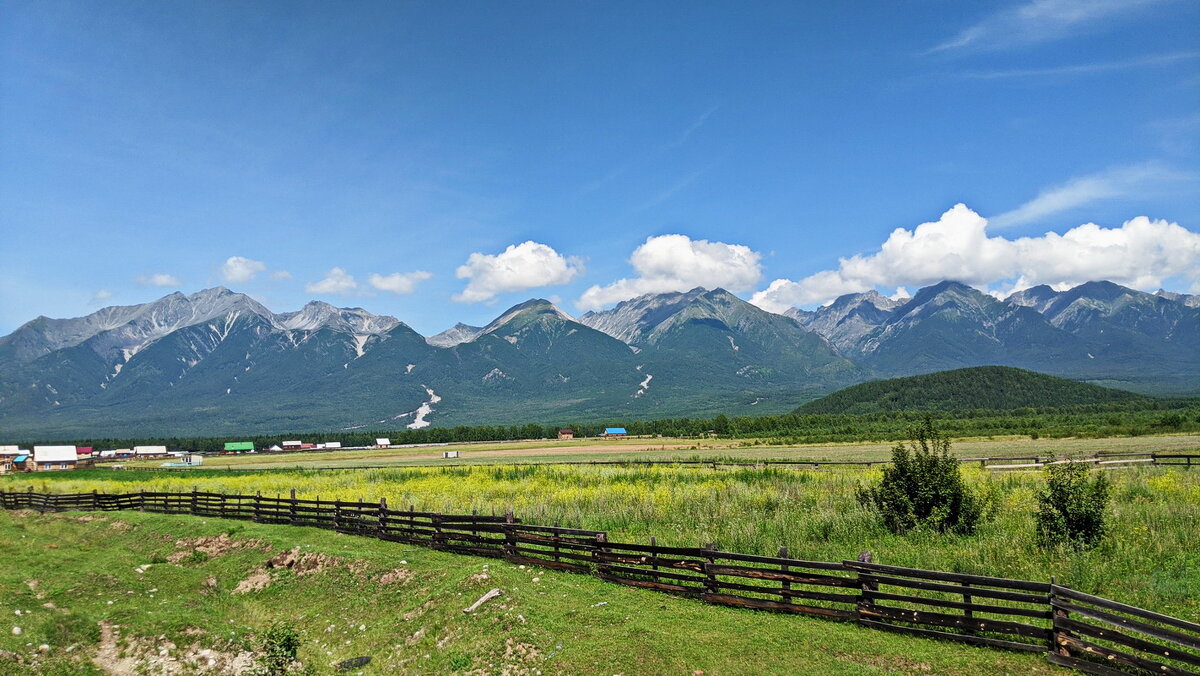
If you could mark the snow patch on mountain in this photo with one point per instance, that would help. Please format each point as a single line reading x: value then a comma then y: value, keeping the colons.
x: 424, y: 411
x: 643, y: 386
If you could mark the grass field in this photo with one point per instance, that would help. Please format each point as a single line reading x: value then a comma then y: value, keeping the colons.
x: 74, y: 578
x: 1148, y: 559
x: 584, y: 450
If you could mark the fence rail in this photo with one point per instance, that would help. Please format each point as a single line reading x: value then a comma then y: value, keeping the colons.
x: 1077, y: 630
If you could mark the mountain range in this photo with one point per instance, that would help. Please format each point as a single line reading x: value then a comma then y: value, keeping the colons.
x: 218, y: 362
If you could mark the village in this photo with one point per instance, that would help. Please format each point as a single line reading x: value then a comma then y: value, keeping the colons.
x: 57, y: 458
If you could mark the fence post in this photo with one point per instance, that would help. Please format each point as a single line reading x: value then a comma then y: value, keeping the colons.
x: 436, y: 519
x: 1058, y: 634
x: 785, y: 585
x: 142, y: 500
x: 556, y: 539
x: 292, y: 508
x: 510, y: 536
x: 195, y: 499
x: 95, y: 500
x: 601, y: 540
x: 337, y: 515
x: 710, y: 585
x: 257, y: 497
x: 381, y: 529
x: 864, y: 599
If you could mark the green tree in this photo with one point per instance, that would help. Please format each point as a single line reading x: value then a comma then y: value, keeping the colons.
x: 923, y: 487
x: 1071, y: 506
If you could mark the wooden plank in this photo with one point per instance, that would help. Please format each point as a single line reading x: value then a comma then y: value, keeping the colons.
x: 1129, y: 610
x: 1113, y: 656
x: 795, y: 578
x: 1083, y: 665
x: 956, y: 589
x: 959, y: 605
x: 1115, y: 636
x: 956, y: 621
x: 655, y: 573
x: 776, y: 606
x: 646, y: 584
x: 1006, y: 583
x: 1159, y: 633
x: 850, y: 599
x: 962, y: 638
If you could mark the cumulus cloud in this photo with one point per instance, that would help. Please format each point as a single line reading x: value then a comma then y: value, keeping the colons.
x: 521, y: 266
x: 1141, y: 254
x: 399, y: 283
x: 1039, y: 21
x: 679, y: 263
x: 159, y: 279
x: 336, y: 282
x: 1138, y: 179
x: 237, y: 269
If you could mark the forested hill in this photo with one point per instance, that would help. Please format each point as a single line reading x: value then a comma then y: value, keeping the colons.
x: 981, y: 387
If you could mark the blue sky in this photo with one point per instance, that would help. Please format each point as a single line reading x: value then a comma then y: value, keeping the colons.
x: 452, y: 159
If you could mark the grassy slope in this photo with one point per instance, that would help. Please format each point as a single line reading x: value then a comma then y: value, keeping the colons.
x: 86, y: 570
x: 1147, y: 560
x: 982, y: 387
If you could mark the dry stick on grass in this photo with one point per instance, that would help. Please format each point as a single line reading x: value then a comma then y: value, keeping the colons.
x: 482, y: 600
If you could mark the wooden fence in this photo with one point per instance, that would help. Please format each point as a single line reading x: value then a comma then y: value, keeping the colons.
x: 1077, y: 630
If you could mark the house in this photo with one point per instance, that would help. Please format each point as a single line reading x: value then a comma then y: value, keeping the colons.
x: 53, y: 458
x: 383, y: 443
x: 614, y: 432
x: 7, y: 455
x: 291, y: 445
x: 84, y: 451
x: 330, y: 444
x: 149, y: 451
x: 566, y: 434
x: 238, y: 446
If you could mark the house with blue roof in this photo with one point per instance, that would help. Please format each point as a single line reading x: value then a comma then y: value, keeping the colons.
x: 614, y: 432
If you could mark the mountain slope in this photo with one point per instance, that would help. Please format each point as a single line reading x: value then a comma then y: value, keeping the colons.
x: 984, y: 387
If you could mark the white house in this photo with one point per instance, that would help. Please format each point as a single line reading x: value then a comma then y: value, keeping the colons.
x: 46, y: 458
x: 330, y: 444
x: 383, y: 443
x: 149, y: 450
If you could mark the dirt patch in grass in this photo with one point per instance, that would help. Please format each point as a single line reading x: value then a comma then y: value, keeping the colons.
x: 256, y: 582
x: 897, y: 664
x: 306, y: 563
x: 399, y: 575
x: 146, y: 656
x: 212, y: 545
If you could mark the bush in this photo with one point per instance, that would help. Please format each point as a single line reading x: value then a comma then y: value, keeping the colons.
x: 1071, y: 506
x: 923, y: 487
x: 277, y: 648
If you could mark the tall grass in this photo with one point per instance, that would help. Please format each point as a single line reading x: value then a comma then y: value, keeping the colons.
x: 1151, y: 556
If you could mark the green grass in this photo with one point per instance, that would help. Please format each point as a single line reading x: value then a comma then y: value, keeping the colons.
x: 548, y: 622
x: 1149, y: 558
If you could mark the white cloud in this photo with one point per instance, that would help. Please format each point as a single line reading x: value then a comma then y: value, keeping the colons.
x: 237, y: 269
x: 1039, y: 21
x: 337, y: 282
x: 399, y: 283
x: 159, y: 279
x: 521, y: 266
x: 1135, y: 180
x: 1141, y: 254
x: 679, y: 263
x: 281, y: 275
x: 100, y: 296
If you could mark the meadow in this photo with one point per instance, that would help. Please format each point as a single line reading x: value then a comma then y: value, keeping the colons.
x: 1149, y: 557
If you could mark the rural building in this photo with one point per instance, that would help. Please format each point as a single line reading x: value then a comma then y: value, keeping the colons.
x: 330, y: 444
x: 566, y: 434
x: 84, y: 451
x: 149, y: 451
x: 291, y: 445
x: 8, y: 455
x: 53, y: 458
x: 117, y: 453
x: 614, y: 432
x: 238, y: 446
x: 383, y: 443
x: 275, y: 447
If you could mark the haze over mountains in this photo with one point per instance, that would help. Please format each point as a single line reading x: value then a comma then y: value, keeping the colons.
x: 218, y: 362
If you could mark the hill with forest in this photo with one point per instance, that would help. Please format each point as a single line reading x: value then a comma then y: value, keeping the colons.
x: 981, y: 387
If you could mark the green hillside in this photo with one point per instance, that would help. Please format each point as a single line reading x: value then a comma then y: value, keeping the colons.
x: 980, y: 387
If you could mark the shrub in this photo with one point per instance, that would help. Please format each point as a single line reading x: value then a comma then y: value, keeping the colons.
x: 277, y: 648
x: 1071, y: 506
x: 923, y: 488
